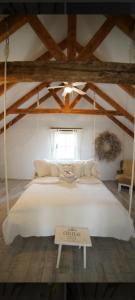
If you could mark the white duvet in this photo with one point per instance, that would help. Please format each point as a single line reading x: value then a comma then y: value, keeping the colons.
x: 48, y: 202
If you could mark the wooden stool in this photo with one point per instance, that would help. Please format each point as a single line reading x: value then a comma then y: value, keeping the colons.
x: 72, y: 236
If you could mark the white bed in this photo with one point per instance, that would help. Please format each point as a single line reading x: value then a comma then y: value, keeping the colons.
x: 47, y: 202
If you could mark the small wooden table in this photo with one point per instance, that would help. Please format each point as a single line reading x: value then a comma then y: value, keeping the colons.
x: 72, y: 236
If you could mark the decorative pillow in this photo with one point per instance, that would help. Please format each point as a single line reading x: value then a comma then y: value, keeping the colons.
x: 41, y: 168
x: 63, y: 168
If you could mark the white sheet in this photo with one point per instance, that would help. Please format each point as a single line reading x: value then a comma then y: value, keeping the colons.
x: 46, y: 204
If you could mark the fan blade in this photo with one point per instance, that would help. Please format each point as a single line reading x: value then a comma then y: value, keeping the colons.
x: 78, y: 83
x: 78, y: 91
x: 55, y: 87
x: 64, y: 94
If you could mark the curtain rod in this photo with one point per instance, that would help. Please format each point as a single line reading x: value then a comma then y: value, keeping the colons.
x: 65, y: 129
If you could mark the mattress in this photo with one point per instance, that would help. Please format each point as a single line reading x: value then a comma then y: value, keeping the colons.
x: 48, y: 202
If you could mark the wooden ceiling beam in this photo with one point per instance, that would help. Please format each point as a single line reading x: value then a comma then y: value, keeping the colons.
x: 25, y: 98
x: 60, y: 110
x: 7, y: 27
x: 20, y: 116
x: 56, y: 98
x: 125, y: 24
x: 111, y: 101
x: 46, y: 38
x: 129, y: 89
x: 71, y: 38
x: 37, y: 71
x: 46, y: 56
x: 97, y: 39
x: 112, y: 118
x: 67, y: 102
x: 9, y: 85
x: 78, y: 97
x: 10, y: 25
x: 95, y: 112
x: 122, y: 126
x: 117, y: 122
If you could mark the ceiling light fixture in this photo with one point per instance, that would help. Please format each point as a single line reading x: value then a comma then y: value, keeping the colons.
x: 68, y: 89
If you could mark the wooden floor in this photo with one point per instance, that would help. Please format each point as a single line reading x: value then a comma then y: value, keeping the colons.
x: 34, y: 259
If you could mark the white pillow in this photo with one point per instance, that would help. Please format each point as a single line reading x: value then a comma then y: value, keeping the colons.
x: 54, y: 170
x: 77, y: 169
x: 88, y: 166
x: 41, y: 168
x: 95, y: 172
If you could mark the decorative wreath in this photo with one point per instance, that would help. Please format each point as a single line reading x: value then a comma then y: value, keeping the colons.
x: 107, y: 146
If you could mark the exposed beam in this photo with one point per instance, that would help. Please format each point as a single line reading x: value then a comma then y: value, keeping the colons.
x: 122, y: 126
x: 125, y: 23
x: 78, y: 97
x: 46, y: 38
x: 11, y: 24
x: 56, y: 98
x: 67, y: 102
x: 71, y: 39
x: 111, y: 101
x: 70, y: 111
x: 7, y: 27
x: 9, y: 85
x: 95, y: 112
x: 129, y: 89
x: 25, y: 98
x: 97, y: 39
x: 11, y: 123
x: 19, y: 117
x: 46, y: 56
x: 117, y: 122
x: 37, y: 71
x: 112, y: 118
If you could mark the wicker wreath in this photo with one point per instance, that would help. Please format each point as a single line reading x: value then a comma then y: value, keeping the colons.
x: 107, y: 146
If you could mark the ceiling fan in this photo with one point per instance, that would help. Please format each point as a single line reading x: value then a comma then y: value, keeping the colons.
x: 69, y: 88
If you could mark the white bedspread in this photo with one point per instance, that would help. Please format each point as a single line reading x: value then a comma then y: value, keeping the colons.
x: 48, y: 202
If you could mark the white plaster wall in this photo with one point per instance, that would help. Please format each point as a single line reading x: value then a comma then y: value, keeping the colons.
x: 29, y: 139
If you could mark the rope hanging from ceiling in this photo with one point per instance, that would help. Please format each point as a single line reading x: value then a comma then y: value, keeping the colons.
x: 6, y: 54
x: 133, y: 169
x: 94, y: 125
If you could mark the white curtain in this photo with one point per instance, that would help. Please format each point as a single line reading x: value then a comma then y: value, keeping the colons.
x: 65, y: 144
x: 54, y: 147
x: 77, y: 143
